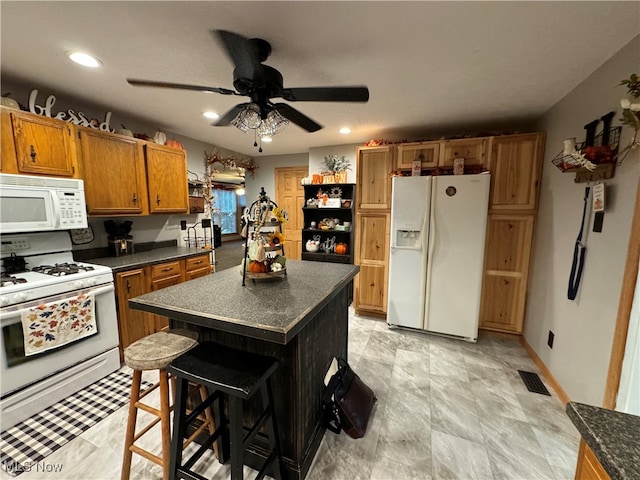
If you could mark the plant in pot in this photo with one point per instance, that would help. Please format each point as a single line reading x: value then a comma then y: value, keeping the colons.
x: 336, y: 167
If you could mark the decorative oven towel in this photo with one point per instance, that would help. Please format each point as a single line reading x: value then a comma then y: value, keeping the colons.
x: 54, y: 324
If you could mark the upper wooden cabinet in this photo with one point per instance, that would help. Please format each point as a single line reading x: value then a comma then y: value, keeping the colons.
x: 37, y: 145
x: 167, y: 179
x: 374, y: 186
x: 427, y: 152
x: 516, y: 164
x: 473, y: 150
x: 114, y: 174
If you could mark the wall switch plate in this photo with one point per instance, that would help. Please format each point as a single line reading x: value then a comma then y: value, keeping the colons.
x: 550, y: 339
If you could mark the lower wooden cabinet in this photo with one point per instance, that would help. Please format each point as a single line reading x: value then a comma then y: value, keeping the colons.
x: 506, y: 271
x: 372, y: 253
x: 589, y: 467
x: 134, y: 324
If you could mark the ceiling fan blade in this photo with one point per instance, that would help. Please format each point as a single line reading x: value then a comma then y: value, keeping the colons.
x: 228, y: 117
x: 244, y: 53
x: 326, y: 94
x: 180, y: 86
x: 297, y: 117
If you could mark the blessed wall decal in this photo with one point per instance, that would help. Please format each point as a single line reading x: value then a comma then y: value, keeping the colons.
x: 70, y: 116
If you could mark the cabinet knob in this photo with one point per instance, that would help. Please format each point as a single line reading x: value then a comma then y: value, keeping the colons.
x: 157, y: 199
x: 128, y: 286
x: 33, y: 154
x: 134, y: 199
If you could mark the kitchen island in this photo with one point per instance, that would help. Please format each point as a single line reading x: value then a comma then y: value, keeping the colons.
x: 301, y: 319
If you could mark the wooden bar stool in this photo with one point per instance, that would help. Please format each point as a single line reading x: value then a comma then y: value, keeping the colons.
x: 155, y: 352
x: 236, y: 375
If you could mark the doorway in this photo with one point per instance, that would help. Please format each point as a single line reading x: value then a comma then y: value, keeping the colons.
x: 290, y: 197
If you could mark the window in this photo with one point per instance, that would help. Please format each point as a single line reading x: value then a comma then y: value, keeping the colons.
x: 227, y: 204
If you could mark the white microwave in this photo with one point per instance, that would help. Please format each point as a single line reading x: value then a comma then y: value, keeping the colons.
x: 36, y: 204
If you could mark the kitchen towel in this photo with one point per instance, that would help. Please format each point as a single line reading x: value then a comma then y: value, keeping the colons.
x: 54, y: 324
x: 25, y: 445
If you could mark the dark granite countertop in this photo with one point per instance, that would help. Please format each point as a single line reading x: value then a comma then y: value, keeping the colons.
x: 613, y: 436
x: 158, y: 255
x: 274, y: 310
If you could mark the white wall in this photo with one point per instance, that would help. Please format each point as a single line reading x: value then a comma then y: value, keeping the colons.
x: 583, y: 328
x: 264, y: 175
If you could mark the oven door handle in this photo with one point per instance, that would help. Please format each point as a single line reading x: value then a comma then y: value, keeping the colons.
x: 100, y: 290
x: 55, y: 205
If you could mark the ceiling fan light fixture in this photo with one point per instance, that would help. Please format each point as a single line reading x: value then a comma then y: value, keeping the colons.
x: 84, y: 59
x: 250, y: 116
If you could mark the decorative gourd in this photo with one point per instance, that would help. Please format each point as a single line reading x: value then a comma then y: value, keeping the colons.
x: 125, y: 131
x: 254, y: 267
x: 160, y: 137
x: 9, y: 102
x: 172, y: 142
x: 341, y: 248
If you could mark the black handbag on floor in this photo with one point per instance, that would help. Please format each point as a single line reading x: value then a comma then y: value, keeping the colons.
x: 347, y: 402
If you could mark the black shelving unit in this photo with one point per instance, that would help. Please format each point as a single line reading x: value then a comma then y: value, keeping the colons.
x: 344, y: 213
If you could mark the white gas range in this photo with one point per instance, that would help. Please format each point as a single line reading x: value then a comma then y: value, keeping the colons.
x: 38, y: 275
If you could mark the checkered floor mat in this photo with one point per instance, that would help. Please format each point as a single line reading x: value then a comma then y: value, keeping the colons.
x: 27, y: 443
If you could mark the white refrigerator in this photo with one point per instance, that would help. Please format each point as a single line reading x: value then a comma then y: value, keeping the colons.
x: 438, y: 229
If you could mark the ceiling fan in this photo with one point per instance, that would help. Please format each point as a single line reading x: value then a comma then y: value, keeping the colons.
x: 261, y: 83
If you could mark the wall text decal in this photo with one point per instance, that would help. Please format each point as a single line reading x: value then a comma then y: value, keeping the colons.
x: 70, y: 116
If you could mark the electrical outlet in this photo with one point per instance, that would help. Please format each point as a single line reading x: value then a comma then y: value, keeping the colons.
x: 550, y: 339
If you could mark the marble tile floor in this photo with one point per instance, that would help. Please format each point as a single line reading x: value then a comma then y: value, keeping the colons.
x: 446, y: 409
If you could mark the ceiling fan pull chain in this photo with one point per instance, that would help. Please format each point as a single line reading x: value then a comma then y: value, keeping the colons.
x: 255, y: 138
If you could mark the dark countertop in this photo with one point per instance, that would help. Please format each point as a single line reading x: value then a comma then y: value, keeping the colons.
x: 274, y: 310
x: 135, y: 260
x: 613, y: 436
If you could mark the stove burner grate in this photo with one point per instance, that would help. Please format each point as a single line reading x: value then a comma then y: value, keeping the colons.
x: 61, y: 269
x: 7, y: 280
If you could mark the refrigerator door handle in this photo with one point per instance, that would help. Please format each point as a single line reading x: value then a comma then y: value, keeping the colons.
x: 431, y: 248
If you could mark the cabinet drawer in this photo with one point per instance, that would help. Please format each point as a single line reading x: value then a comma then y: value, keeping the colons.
x: 164, y: 270
x: 196, y: 263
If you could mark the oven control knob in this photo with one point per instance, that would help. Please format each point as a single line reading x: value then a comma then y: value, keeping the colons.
x: 91, y: 281
x: 4, y: 301
x: 78, y: 284
x: 20, y: 297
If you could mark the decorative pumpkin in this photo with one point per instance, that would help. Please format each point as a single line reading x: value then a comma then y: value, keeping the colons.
x: 172, y: 142
x: 257, y: 267
x: 160, y: 137
x: 341, y: 248
x: 9, y: 102
x: 125, y: 131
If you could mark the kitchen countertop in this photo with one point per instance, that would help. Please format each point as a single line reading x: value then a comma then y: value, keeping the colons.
x: 274, y: 310
x: 158, y: 255
x: 613, y: 436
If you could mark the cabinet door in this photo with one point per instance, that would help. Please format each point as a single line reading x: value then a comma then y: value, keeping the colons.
x: 372, y: 254
x: 473, y: 150
x: 133, y: 324
x: 589, y: 467
x: 113, y: 171
x: 161, y: 322
x: 167, y: 177
x: 43, y: 145
x: 427, y: 152
x: 374, y: 186
x: 506, y: 272
x: 515, y: 164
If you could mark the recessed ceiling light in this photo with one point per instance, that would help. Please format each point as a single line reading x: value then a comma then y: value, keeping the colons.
x: 240, y: 191
x: 267, y: 139
x: 84, y: 59
x: 344, y: 130
x: 210, y: 114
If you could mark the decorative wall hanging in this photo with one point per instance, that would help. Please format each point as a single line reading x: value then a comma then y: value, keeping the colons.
x: 630, y: 104
x: 70, y: 116
x: 595, y: 158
